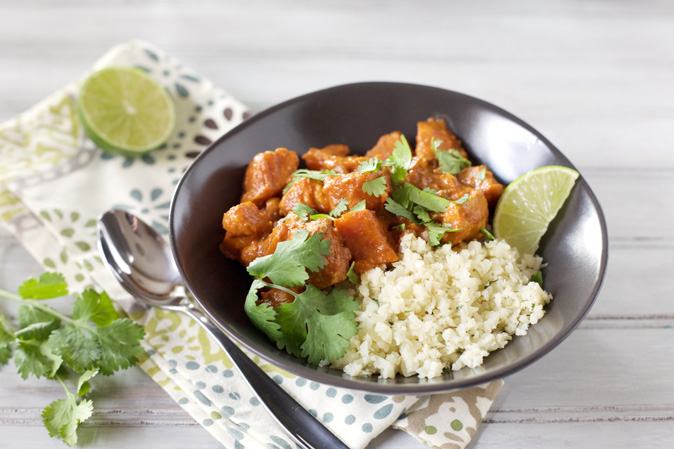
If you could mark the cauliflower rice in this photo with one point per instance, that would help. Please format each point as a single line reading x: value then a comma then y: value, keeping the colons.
x: 443, y: 307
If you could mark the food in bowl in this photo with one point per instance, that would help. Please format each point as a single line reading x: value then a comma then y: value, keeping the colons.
x: 381, y: 263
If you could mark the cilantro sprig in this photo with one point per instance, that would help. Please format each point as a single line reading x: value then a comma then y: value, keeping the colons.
x: 317, y: 324
x: 451, y: 161
x: 311, y: 174
x: 48, y: 343
x: 414, y: 204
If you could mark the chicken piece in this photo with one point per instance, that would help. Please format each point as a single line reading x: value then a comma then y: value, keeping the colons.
x: 480, y: 178
x: 350, y: 187
x: 267, y: 175
x: 424, y: 173
x: 245, y: 226
x: 272, y: 207
x: 234, y: 246
x: 433, y: 129
x: 246, y: 219
x: 367, y: 238
x: 469, y: 216
x: 306, y: 191
x: 384, y: 147
x: 332, y: 157
x: 337, y: 264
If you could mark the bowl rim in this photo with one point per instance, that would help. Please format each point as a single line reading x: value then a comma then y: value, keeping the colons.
x: 382, y: 386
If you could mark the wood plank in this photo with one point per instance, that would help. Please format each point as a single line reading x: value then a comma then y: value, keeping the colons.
x: 606, y: 371
x: 615, y: 434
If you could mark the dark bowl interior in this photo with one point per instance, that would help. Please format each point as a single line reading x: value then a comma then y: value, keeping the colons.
x: 575, y: 247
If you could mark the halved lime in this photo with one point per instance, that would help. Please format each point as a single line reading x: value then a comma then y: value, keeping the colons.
x: 125, y: 111
x: 530, y: 203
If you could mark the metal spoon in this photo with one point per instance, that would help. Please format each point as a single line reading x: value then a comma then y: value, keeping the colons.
x: 142, y: 262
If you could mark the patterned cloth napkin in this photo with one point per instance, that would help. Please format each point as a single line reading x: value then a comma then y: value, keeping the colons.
x: 54, y: 184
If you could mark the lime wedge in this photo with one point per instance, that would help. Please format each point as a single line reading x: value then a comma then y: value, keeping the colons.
x: 530, y: 203
x: 124, y: 111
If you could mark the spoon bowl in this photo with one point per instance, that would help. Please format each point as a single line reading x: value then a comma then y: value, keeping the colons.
x: 141, y: 261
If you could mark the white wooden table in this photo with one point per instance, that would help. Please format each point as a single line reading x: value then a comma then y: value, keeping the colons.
x: 595, y: 77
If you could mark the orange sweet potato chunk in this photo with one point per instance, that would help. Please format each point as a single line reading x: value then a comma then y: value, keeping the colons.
x: 367, y: 238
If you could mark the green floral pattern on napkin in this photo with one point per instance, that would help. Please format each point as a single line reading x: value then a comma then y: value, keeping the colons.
x: 54, y: 184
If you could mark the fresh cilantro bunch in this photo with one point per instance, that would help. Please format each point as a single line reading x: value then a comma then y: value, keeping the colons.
x: 317, y: 324
x: 93, y: 340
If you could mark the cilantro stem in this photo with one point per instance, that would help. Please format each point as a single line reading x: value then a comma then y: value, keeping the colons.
x: 71, y: 397
x: 48, y: 309
x: 19, y: 299
x: 280, y: 287
x: 9, y: 295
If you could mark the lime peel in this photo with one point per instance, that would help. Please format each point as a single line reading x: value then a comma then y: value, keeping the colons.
x: 530, y: 203
x: 125, y: 111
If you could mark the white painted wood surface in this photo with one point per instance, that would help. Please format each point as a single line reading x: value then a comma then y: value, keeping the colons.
x: 595, y: 77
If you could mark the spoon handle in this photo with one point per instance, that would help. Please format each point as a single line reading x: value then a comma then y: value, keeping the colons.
x: 300, y: 424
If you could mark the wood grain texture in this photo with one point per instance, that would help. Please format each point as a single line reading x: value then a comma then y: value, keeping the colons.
x: 595, y: 77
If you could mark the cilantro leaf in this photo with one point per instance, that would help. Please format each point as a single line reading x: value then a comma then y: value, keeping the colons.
x: 6, y: 335
x: 78, y: 348
x: 487, y: 234
x: 328, y: 337
x: 38, y: 331
x: 292, y: 319
x: 337, y: 301
x: 31, y: 357
x: 30, y: 315
x: 351, y: 274
x: 63, y: 416
x: 451, y: 161
x: 400, y: 160
x: 303, y: 211
x: 370, y: 165
x: 397, y: 209
x: 537, y: 277
x: 306, y: 322
x: 50, y: 285
x: 287, y: 265
x: 402, y: 195
x: 120, y: 345
x: 375, y: 187
x: 261, y: 315
x: 83, y: 385
x: 340, y: 208
x: 428, y: 200
x: 421, y: 213
x: 5, y: 354
x: 461, y: 200
x: 437, y: 231
x: 311, y: 174
x: 94, y: 307
x: 360, y: 206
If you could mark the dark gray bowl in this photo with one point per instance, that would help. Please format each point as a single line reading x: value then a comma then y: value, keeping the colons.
x: 575, y: 247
